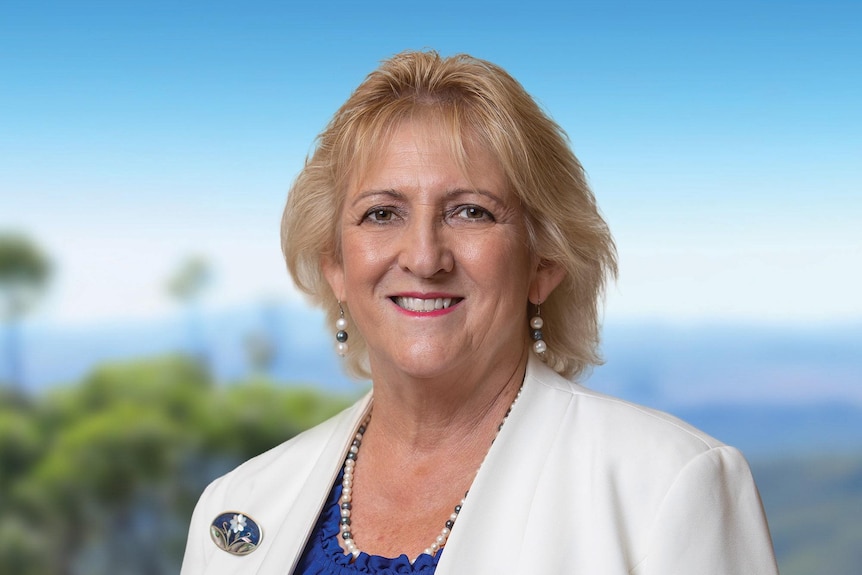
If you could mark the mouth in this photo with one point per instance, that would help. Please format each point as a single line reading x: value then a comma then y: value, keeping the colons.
x: 425, y: 305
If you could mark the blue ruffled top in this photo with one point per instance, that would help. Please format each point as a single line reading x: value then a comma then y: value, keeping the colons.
x: 323, y: 554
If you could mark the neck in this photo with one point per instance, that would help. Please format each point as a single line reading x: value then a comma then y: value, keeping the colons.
x: 423, y: 461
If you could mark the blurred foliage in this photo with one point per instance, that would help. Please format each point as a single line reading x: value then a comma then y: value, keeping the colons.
x: 813, y: 504
x: 24, y: 274
x: 187, y: 285
x: 102, y: 476
x: 190, y: 279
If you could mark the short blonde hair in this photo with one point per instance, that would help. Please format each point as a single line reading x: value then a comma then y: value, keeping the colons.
x: 473, y: 99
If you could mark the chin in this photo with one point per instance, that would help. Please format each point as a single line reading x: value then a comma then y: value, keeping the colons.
x: 422, y: 361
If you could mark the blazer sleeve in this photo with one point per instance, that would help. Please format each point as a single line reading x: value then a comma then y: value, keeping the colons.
x: 711, y: 522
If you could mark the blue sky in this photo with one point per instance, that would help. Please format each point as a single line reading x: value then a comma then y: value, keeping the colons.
x: 722, y: 139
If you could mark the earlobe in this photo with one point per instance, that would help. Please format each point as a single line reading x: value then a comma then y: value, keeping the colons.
x: 548, y: 276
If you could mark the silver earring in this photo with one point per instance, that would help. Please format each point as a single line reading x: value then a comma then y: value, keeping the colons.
x: 341, y: 335
x: 536, y: 323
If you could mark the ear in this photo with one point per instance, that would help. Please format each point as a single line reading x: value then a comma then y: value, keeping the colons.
x: 548, y: 276
x: 333, y: 271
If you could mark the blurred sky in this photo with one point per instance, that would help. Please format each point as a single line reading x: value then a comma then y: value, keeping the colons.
x: 723, y: 139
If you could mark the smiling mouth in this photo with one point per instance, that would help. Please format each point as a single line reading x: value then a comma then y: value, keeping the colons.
x: 424, y: 305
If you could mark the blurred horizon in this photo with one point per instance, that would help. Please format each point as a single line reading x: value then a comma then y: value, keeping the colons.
x: 768, y: 390
x: 288, y: 325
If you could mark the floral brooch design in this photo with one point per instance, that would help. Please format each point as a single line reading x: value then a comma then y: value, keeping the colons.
x: 236, y: 533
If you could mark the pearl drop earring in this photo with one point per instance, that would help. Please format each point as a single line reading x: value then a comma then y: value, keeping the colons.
x: 536, y: 324
x: 341, y: 335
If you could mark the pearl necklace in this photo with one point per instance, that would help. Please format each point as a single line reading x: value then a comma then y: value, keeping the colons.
x: 347, y: 492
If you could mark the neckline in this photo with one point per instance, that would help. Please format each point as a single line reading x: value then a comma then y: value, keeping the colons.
x: 344, y: 502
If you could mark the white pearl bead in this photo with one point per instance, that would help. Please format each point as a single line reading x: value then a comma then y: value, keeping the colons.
x: 540, y: 346
x: 440, y: 540
x: 341, y: 348
x: 537, y: 323
x: 345, y: 512
x: 341, y: 323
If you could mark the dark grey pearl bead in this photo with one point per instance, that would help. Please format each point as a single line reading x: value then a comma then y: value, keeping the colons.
x: 347, y: 535
x: 345, y: 520
x: 537, y: 334
x: 341, y: 336
x: 449, y: 524
x: 346, y: 505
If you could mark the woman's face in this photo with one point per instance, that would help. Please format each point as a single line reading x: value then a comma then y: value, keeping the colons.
x: 435, y: 265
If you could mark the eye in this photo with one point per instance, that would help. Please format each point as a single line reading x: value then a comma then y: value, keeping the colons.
x: 473, y: 213
x: 380, y: 215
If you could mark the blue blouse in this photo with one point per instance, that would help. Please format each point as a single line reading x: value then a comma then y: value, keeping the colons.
x: 323, y: 554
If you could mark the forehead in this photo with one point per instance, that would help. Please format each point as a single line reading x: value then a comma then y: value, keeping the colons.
x: 428, y: 149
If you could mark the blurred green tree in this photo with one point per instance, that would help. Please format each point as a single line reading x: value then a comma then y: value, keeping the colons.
x: 102, y: 476
x: 260, y: 351
x: 24, y: 274
x: 188, y: 285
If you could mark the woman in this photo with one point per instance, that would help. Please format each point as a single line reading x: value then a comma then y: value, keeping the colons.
x: 447, y: 228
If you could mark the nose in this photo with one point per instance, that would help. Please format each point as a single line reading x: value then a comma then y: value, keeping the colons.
x: 424, y: 249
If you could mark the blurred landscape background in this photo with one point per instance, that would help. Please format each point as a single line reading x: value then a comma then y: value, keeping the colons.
x: 151, y: 339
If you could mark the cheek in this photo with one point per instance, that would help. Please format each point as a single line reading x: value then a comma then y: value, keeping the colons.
x: 363, y: 256
x: 495, y: 258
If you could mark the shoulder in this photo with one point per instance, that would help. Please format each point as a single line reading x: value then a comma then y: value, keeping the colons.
x: 621, y: 439
x: 649, y: 477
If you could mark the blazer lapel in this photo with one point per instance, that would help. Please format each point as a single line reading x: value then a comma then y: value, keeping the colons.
x: 289, y: 540
x: 489, y: 535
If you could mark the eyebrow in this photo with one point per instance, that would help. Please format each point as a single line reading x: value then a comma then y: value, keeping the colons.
x: 395, y: 195
x: 455, y: 193
x: 484, y: 193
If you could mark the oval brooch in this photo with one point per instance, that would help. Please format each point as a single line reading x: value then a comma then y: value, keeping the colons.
x: 236, y: 533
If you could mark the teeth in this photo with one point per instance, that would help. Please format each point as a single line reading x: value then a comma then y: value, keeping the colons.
x: 419, y: 304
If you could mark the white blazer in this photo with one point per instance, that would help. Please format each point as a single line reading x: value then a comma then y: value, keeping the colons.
x: 576, y: 482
